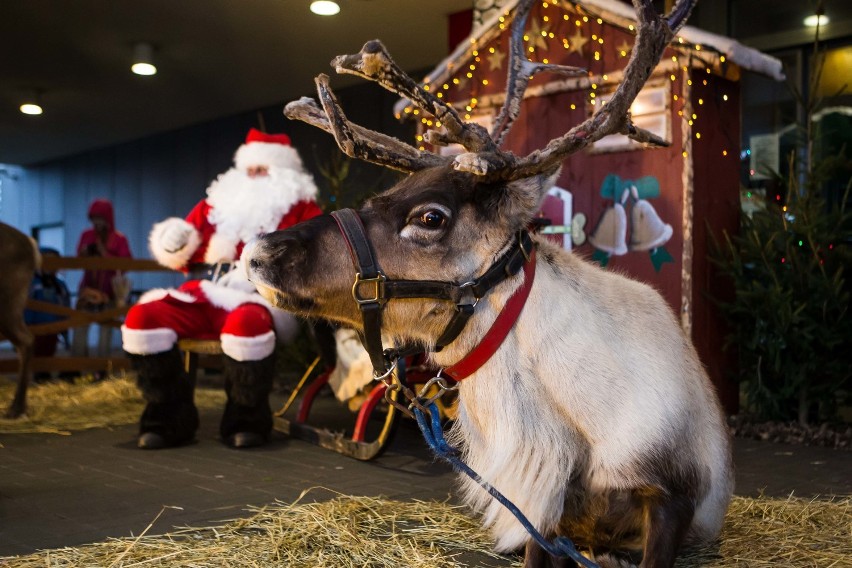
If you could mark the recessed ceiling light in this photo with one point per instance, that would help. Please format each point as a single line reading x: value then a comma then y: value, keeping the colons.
x: 816, y: 20
x: 143, y: 59
x: 31, y: 108
x: 325, y: 7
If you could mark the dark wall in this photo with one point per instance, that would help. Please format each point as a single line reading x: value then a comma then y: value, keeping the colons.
x: 165, y: 175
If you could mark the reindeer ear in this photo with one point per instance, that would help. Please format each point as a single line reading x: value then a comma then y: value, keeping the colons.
x: 519, y: 200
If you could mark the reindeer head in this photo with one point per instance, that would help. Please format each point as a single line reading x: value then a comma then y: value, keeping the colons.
x: 452, y: 216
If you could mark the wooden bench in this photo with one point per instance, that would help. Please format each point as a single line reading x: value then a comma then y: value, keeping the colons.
x: 192, y: 349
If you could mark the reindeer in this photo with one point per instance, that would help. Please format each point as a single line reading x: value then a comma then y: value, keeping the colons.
x: 19, y: 259
x: 594, y: 415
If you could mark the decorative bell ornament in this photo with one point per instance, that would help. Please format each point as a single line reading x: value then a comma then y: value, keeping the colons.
x: 610, y: 235
x: 647, y: 230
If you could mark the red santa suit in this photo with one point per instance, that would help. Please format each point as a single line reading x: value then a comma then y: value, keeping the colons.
x: 240, y: 206
x: 237, y: 209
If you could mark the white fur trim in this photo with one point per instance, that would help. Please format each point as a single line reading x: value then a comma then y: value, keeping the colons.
x: 220, y: 248
x: 147, y: 341
x: 159, y: 293
x: 225, y: 297
x: 267, y: 154
x: 248, y: 348
x: 175, y: 260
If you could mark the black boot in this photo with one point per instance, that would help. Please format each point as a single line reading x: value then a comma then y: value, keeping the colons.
x: 247, y: 420
x: 170, y: 417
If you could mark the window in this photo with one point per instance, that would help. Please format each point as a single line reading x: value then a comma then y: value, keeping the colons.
x: 649, y: 111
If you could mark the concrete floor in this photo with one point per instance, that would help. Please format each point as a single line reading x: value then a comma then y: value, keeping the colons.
x: 58, y: 491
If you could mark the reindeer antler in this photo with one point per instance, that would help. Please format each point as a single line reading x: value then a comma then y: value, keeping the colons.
x: 483, y: 156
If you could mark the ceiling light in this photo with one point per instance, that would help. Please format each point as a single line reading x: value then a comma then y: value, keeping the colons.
x: 32, y: 103
x: 31, y: 108
x: 816, y: 20
x: 325, y: 7
x: 143, y: 57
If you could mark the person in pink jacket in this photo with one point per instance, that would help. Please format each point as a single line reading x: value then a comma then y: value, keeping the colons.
x: 266, y: 190
x: 98, y: 290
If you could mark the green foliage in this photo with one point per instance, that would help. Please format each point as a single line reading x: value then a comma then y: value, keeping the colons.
x: 789, y: 317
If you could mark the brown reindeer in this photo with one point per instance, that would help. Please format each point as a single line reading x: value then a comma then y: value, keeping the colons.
x: 594, y: 414
x: 19, y: 259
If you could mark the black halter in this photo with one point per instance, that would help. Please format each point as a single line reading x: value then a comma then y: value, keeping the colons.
x: 372, y: 289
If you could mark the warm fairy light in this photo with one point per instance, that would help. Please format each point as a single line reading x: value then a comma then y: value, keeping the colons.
x: 440, y: 95
x: 685, y: 154
x: 594, y: 37
x: 722, y: 58
x: 701, y: 101
x: 445, y: 86
x: 724, y: 152
x: 419, y: 138
x: 475, y: 53
x: 697, y: 47
x: 425, y: 87
x: 698, y: 135
x: 531, y: 49
x: 407, y: 110
x: 704, y: 82
x: 600, y: 21
x: 485, y: 81
x: 469, y: 75
x: 689, y: 82
x: 526, y: 37
x: 416, y: 112
x: 672, y: 77
x: 694, y: 116
x: 585, y: 18
x: 605, y: 77
x: 472, y: 67
x: 545, y: 61
x: 675, y: 97
x: 573, y: 106
x: 456, y: 81
x: 545, y: 18
x: 597, y: 56
x: 630, y: 27
x: 491, y: 50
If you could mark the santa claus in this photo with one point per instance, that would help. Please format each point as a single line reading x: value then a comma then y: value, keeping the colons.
x: 266, y: 190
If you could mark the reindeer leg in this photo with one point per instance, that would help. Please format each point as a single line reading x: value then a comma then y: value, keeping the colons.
x: 668, y: 519
x: 22, y: 339
x: 536, y: 557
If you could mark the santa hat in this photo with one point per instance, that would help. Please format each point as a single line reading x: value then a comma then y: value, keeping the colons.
x: 273, y: 150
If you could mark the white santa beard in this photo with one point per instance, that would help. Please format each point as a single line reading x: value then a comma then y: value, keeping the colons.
x: 243, y: 208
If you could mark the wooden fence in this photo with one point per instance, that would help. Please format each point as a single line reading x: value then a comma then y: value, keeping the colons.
x: 76, y: 318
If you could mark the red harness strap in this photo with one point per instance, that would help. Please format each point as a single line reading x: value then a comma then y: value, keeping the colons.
x: 471, y: 362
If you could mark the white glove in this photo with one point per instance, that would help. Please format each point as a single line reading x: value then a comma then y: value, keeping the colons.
x: 175, y: 237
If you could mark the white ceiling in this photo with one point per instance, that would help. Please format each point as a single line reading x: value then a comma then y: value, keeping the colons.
x: 215, y: 58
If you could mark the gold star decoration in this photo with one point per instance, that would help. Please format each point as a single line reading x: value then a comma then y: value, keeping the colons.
x: 624, y: 48
x: 535, y: 35
x: 576, y: 42
x: 495, y: 59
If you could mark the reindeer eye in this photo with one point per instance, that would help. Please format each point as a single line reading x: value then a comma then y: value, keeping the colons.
x: 432, y: 219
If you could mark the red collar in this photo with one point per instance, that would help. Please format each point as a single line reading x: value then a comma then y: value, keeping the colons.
x: 506, y: 319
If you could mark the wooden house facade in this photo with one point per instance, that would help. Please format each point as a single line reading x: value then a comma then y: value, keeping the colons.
x: 647, y: 212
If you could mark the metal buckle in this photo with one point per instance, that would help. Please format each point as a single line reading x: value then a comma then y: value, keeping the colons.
x: 379, y: 294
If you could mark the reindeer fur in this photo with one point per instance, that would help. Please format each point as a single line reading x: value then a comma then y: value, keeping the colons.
x: 19, y: 259
x: 595, y: 416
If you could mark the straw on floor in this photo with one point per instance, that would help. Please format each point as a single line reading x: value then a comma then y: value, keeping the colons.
x: 61, y: 407
x: 348, y: 531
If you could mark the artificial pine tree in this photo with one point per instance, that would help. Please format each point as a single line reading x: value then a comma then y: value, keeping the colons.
x: 790, y: 266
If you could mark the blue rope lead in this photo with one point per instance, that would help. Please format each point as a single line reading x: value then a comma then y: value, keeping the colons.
x: 433, y: 433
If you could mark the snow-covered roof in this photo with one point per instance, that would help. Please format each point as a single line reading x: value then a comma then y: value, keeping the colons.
x: 622, y: 15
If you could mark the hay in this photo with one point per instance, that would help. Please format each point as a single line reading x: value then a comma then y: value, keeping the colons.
x: 362, y: 531
x: 60, y: 407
